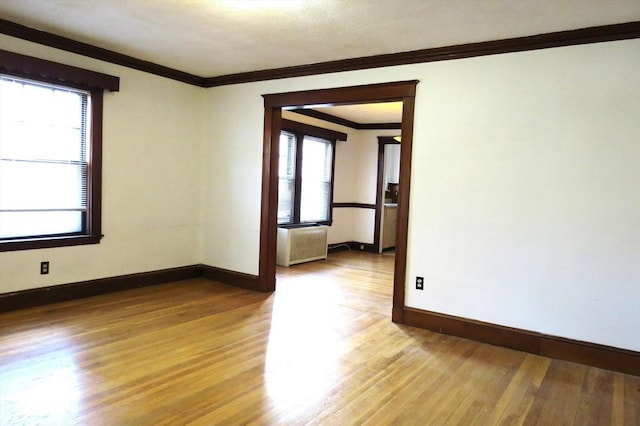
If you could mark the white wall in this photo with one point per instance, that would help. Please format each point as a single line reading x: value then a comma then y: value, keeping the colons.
x: 524, y: 199
x: 152, y: 182
x: 233, y: 125
x: 366, y: 177
x: 525, y: 186
x: 527, y: 191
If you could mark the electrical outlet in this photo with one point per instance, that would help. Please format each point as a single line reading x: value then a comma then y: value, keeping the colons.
x: 361, y: 246
x: 44, y: 268
x: 419, y: 283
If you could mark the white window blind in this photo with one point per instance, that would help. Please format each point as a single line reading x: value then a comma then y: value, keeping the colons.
x: 43, y: 159
x: 286, y: 177
x: 315, y: 196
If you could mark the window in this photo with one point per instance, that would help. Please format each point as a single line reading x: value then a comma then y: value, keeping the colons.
x: 50, y: 154
x: 286, y: 177
x: 305, y: 173
x: 43, y: 159
x: 317, y: 172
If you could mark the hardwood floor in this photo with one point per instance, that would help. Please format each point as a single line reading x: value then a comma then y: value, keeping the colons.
x: 321, y: 350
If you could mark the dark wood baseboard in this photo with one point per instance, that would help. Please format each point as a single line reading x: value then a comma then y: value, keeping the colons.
x: 596, y: 355
x: 352, y: 245
x: 397, y: 315
x: 65, y: 292
x: 238, y: 279
x: 601, y: 356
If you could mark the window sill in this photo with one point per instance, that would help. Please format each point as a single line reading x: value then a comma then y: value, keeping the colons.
x: 49, y: 242
x: 304, y: 224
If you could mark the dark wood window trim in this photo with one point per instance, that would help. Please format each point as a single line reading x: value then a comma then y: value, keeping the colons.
x: 77, y: 78
x: 33, y: 68
x: 603, y: 33
x: 404, y: 91
x: 308, y: 129
x: 300, y: 130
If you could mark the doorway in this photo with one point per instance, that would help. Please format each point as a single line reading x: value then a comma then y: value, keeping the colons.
x: 273, y: 103
x: 387, y: 192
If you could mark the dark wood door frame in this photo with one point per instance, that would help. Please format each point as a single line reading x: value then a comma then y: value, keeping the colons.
x: 383, y: 141
x: 273, y: 103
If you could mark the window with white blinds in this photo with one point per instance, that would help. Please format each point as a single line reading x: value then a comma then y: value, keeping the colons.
x: 286, y: 177
x: 43, y: 159
x: 305, y: 172
x: 315, y: 191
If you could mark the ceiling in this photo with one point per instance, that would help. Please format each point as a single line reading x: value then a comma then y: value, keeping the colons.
x: 373, y: 113
x: 211, y: 38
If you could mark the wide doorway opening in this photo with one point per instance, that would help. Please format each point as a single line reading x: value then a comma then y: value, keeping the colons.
x: 274, y: 104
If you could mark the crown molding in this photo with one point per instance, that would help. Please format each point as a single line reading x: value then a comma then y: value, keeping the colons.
x: 624, y: 31
x: 69, y: 45
x: 344, y: 122
x: 598, y: 34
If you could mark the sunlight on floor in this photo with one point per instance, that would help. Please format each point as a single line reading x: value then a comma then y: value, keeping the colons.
x: 42, y: 388
x: 303, y: 355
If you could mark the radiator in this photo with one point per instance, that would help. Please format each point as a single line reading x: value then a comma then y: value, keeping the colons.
x: 297, y: 245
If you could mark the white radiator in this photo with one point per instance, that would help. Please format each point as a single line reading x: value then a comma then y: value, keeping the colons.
x: 297, y: 245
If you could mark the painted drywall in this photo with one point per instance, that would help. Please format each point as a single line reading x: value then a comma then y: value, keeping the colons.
x: 525, y: 186
x: 366, y: 178
x: 527, y: 192
x: 524, y: 195
x: 152, y: 182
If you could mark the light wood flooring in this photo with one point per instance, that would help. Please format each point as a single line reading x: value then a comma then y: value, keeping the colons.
x: 321, y: 350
